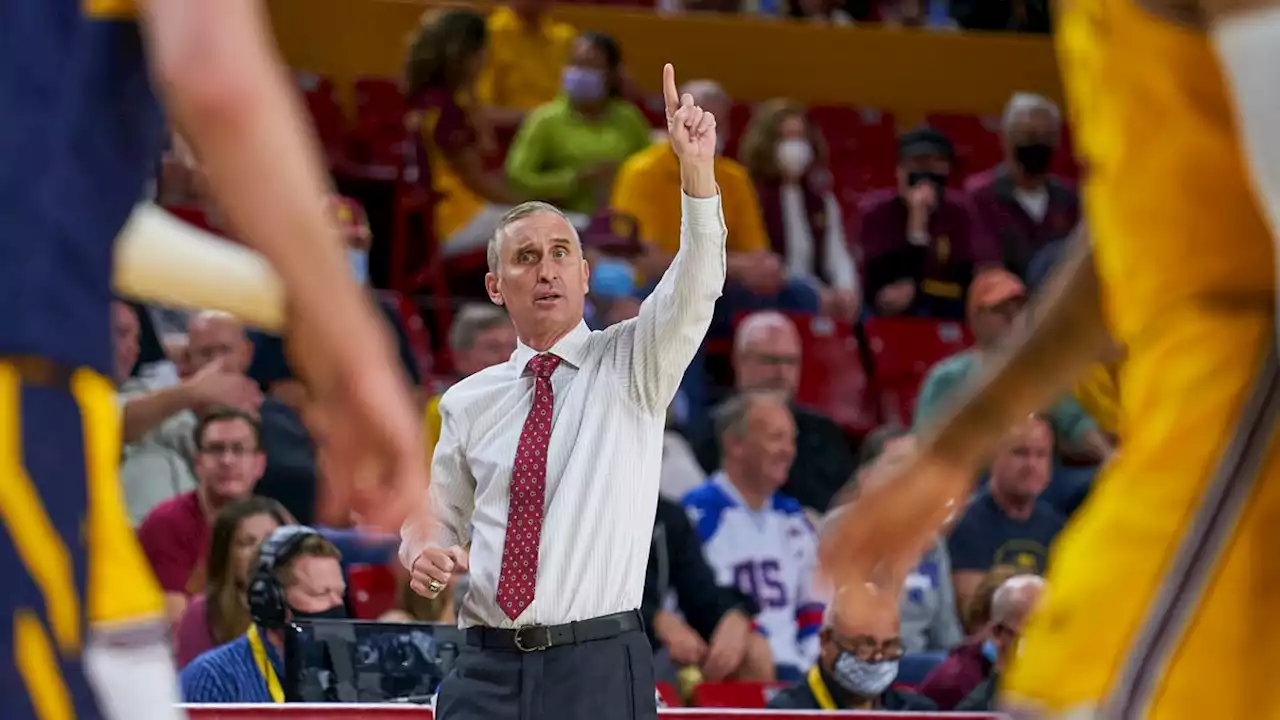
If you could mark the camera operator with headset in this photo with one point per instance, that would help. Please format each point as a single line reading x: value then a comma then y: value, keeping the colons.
x: 297, y: 575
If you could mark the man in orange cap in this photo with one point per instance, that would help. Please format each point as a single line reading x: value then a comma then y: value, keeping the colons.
x: 994, y: 308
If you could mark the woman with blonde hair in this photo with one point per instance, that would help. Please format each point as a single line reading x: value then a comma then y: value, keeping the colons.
x: 221, y: 614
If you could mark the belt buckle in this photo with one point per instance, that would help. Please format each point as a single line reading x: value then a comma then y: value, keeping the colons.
x: 535, y: 643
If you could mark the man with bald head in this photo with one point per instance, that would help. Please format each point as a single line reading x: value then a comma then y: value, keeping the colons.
x: 767, y: 356
x: 856, y: 668
x: 545, y: 475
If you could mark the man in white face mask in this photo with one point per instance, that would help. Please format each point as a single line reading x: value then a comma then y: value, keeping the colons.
x: 856, y: 671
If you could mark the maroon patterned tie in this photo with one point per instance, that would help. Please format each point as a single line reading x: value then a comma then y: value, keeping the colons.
x: 519, y: 575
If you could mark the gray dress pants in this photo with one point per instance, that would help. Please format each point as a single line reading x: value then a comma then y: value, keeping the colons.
x: 609, y: 679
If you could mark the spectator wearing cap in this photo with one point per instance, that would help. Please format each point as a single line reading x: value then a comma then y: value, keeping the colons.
x: 917, y: 239
x: 1019, y: 207
x: 995, y: 308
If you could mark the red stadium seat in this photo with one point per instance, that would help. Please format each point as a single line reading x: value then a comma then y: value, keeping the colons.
x: 976, y: 140
x: 863, y: 144
x: 414, y: 328
x: 379, y: 102
x: 372, y: 590
x: 746, y: 695
x: 833, y: 381
x: 903, y: 350
x: 669, y: 694
x: 327, y: 115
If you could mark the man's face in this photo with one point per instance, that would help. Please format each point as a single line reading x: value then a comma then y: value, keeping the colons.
x: 228, y: 461
x: 1021, y: 470
x: 541, y: 277
x: 1007, y: 632
x: 1031, y: 127
x: 317, y: 584
x: 124, y: 339
x: 768, y: 443
x: 213, y: 338
x: 769, y: 361
x: 491, y: 347
x: 924, y: 165
x: 872, y: 635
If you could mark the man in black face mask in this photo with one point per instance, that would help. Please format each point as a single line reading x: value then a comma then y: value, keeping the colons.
x: 916, y: 238
x: 298, y: 576
x: 1021, y: 208
x: 856, y: 672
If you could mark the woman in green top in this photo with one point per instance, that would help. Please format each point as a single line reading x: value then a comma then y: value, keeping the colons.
x: 568, y: 150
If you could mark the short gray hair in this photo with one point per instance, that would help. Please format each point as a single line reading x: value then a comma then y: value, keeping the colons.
x: 472, y: 320
x: 758, y: 323
x: 1025, y: 102
x: 704, y: 91
x: 514, y: 215
x: 731, y: 416
x: 1015, y: 596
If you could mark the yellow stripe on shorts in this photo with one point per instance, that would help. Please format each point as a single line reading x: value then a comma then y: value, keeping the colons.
x: 36, y: 541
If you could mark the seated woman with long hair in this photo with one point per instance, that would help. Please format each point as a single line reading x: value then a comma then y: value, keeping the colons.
x: 440, y: 74
x: 221, y: 614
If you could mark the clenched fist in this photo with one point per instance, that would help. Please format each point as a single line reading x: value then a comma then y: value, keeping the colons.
x: 433, y: 569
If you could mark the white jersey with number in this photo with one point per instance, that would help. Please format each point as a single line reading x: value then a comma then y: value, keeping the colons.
x: 769, y: 554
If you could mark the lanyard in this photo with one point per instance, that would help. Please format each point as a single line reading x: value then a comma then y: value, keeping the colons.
x: 264, y: 665
x: 820, y: 691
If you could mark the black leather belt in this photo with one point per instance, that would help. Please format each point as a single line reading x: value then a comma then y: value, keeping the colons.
x: 532, y: 638
x: 40, y: 371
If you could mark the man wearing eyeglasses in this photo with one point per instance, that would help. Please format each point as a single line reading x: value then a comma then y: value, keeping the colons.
x: 1012, y: 603
x: 856, y: 671
x: 228, y: 462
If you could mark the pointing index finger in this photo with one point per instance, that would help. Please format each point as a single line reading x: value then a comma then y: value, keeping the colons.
x: 669, y: 92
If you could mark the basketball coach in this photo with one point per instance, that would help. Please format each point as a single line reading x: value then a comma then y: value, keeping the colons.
x: 547, y: 465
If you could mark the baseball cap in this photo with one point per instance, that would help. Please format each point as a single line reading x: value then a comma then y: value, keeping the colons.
x: 923, y: 141
x: 992, y: 287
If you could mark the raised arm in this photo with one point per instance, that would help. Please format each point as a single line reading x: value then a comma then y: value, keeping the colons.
x: 674, y: 319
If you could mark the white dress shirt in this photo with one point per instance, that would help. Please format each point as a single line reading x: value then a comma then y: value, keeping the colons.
x: 611, y: 391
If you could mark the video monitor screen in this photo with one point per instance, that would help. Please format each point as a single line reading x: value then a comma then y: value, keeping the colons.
x: 356, y: 661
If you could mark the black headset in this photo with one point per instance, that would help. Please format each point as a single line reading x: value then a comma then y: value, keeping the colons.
x: 266, y: 596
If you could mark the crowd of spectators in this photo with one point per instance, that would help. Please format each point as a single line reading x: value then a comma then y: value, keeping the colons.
x: 220, y: 450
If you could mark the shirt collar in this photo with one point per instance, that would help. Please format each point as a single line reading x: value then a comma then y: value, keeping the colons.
x: 721, y: 480
x: 571, y: 348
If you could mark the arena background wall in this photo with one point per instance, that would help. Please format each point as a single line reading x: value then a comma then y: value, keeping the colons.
x: 908, y: 72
